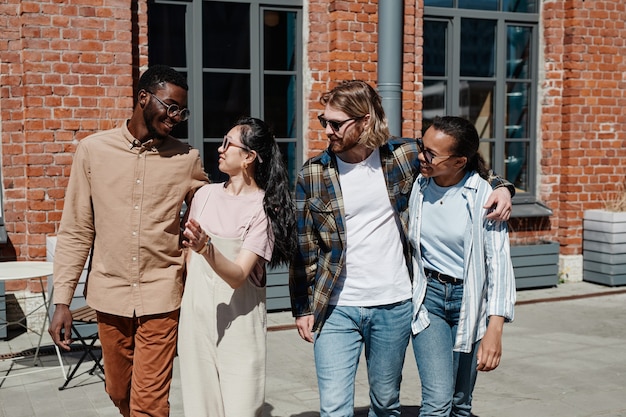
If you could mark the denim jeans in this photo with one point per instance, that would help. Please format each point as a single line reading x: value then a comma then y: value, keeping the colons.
x: 447, y: 377
x: 385, y: 332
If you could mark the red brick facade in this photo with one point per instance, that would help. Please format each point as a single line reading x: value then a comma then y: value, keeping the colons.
x: 582, y: 119
x: 343, y: 41
x: 67, y: 69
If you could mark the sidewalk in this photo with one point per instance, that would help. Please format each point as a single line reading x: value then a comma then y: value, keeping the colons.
x: 563, y: 356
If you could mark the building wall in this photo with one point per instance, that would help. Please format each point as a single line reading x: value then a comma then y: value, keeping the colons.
x: 67, y: 70
x: 583, y: 123
x: 342, y: 45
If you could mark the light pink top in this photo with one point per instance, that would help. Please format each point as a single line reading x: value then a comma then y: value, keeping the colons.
x: 230, y: 216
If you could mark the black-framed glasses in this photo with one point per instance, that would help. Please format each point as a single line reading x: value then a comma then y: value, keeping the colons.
x: 173, y: 110
x: 229, y: 142
x: 335, y: 125
x: 428, y: 155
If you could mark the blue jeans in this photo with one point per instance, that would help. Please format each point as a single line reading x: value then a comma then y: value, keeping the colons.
x: 447, y: 377
x: 385, y: 332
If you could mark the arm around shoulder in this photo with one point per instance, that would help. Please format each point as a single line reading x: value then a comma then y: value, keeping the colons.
x: 500, y: 203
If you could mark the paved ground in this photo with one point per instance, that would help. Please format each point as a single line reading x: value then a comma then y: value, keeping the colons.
x: 564, y: 355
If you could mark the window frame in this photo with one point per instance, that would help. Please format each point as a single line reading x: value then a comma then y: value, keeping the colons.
x: 453, y: 16
x: 195, y: 72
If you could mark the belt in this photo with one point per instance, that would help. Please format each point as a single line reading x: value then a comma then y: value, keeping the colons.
x: 443, y: 278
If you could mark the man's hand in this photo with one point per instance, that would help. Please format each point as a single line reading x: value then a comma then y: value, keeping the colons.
x: 61, y: 327
x: 304, y: 325
x: 500, y: 203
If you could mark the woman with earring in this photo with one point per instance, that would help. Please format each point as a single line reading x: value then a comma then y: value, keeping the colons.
x: 234, y: 229
x: 464, y: 288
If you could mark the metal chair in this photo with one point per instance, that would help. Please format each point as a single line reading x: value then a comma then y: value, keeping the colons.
x: 84, y: 334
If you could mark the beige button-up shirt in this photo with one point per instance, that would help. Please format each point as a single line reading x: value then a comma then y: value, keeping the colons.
x: 124, y: 199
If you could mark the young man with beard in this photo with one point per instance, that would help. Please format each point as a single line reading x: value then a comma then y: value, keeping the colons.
x: 123, y: 200
x: 350, y: 281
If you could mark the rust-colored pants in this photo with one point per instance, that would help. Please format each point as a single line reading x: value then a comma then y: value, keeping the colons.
x: 138, y: 356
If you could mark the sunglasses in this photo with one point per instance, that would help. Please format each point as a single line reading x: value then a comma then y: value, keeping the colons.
x: 428, y: 155
x: 173, y: 110
x: 335, y: 125
x: 229, y: 142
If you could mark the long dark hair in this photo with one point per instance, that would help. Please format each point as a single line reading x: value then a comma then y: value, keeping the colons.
x: 466, y: 141
x: 270, y: 175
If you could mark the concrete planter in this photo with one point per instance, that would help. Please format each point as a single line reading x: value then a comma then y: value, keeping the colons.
x: 277, y: 289
x: 536, y: 265
x: 604, y: 247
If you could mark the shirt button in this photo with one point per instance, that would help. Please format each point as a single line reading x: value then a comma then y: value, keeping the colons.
x: 134, y: 233
x: 136, y: 207
x: 134, y: 258
x: 138, y: 181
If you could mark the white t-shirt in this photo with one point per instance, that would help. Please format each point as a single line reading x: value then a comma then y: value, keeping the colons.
x: 375, y: 271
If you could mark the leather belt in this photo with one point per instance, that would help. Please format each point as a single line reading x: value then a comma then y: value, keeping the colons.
x: 443, y: 278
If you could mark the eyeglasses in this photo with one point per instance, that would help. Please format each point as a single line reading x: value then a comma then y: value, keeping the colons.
x: 428, y: 155
x: 335, y: 125
x: 229, y: 142
x: 173, y: 110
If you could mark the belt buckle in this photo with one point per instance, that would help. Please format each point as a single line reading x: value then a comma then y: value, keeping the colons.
x: 435, y: 275
x: 438, y: 277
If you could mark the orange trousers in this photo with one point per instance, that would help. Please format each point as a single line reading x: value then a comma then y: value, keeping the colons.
x: 138, y: 355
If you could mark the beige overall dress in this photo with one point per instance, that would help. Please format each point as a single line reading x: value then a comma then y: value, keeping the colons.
x: 221, y: 341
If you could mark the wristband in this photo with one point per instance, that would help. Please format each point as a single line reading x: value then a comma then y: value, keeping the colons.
x: 205, y: 248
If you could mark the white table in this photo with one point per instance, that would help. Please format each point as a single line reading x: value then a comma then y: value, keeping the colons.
x: 25, y: 270
x: 20, y: 270
x: 13, y: 270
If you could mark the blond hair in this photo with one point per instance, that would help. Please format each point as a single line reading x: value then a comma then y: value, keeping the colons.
x: 358, y: 99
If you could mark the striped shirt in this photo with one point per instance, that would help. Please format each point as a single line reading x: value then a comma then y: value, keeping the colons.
x: 489, y: 283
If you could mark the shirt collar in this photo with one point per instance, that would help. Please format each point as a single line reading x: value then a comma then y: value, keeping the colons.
x: 133, y: 142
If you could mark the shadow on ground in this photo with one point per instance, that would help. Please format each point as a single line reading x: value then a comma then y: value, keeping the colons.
x: 409, y: 411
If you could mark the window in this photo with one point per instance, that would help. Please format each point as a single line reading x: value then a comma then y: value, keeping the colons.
x: 241, y: 59
x: 480, y: 62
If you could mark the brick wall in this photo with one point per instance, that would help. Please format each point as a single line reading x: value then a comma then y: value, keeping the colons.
x: 66, y: 70
x: 342, y: 45
x: 583, y: 122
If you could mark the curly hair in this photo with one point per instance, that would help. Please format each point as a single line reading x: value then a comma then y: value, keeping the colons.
x: 157, y: 76
x: 271, y: 176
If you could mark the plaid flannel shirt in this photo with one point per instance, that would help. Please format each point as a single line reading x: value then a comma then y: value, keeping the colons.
x: 320, y: 257
x: 321, y: 223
